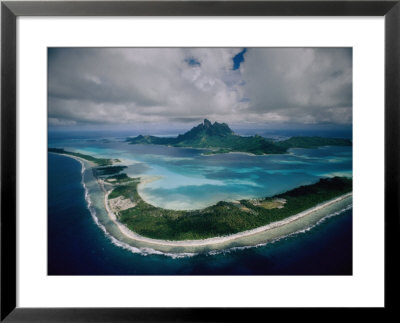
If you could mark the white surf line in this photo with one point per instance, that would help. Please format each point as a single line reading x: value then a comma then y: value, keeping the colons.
x: 204, y: 242
x: 81, y: 160
x: 185, y: 243
x: 114, y: 240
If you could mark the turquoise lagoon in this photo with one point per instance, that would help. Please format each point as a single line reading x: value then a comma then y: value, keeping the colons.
x: 185, y: 178
x: 83, y: 241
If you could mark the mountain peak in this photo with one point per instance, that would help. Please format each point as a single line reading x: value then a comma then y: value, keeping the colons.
x: 207, y: 123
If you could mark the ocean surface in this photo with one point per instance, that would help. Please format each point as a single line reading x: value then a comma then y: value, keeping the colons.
x: 187, y: 179
x: 78, y: 246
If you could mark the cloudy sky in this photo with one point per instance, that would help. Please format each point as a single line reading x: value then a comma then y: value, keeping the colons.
x: 128, y: 86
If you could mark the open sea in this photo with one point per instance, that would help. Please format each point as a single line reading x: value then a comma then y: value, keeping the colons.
x: 78, y: 246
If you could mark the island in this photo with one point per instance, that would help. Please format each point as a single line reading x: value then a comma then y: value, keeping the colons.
x: 139, y: 218
x: 219, y: 138
x: 222, y: 219
x: 97, y: 161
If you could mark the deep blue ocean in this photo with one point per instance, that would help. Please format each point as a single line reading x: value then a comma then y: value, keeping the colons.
x: 77, y: 246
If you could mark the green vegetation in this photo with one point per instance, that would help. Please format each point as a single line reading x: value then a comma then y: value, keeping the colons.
x: 128, y: 190
x: 313, y: 142
x: 109, y: 170
x: 223, y: 218
x: 119, y: 179
x: 98, y: 161
x: 221, y: 139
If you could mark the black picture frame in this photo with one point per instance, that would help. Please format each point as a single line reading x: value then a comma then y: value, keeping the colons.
x: 10, y: 10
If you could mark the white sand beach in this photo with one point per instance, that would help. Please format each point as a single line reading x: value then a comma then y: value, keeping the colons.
x: 212, y: 241
x: 252, y: 237
x: 81, y: 160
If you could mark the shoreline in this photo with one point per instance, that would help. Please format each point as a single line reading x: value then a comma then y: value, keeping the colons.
x: 214, y: 240
x: 79, y: 159
x: 212, y: 243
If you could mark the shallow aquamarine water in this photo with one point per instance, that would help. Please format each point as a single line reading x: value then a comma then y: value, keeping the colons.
x: 77, y: 246
x: 320, y: 243
x: 94, y: 196
x: 190, y: 180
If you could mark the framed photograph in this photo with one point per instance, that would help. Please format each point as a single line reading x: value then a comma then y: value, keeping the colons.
x: 174, y: 155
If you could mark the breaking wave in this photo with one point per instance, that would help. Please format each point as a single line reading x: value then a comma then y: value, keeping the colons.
x: 145, y: 251
x: 298, y: 232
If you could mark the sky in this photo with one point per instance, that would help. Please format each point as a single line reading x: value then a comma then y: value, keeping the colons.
x: 123, y: 87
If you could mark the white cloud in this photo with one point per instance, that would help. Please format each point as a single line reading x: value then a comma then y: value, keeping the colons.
x: 61, y: 122
x: 305, y: 84
x: 138, y: 85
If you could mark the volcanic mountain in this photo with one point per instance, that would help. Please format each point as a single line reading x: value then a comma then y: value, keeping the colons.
x: 219, y: 138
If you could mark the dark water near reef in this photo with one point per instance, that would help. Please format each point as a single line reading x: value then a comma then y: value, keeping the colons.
x: 77, y: 246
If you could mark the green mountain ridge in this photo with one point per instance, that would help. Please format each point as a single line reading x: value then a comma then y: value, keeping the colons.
x: 219, y: 138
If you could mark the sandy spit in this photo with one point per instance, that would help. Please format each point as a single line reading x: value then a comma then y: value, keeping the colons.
x: 210, y: 241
